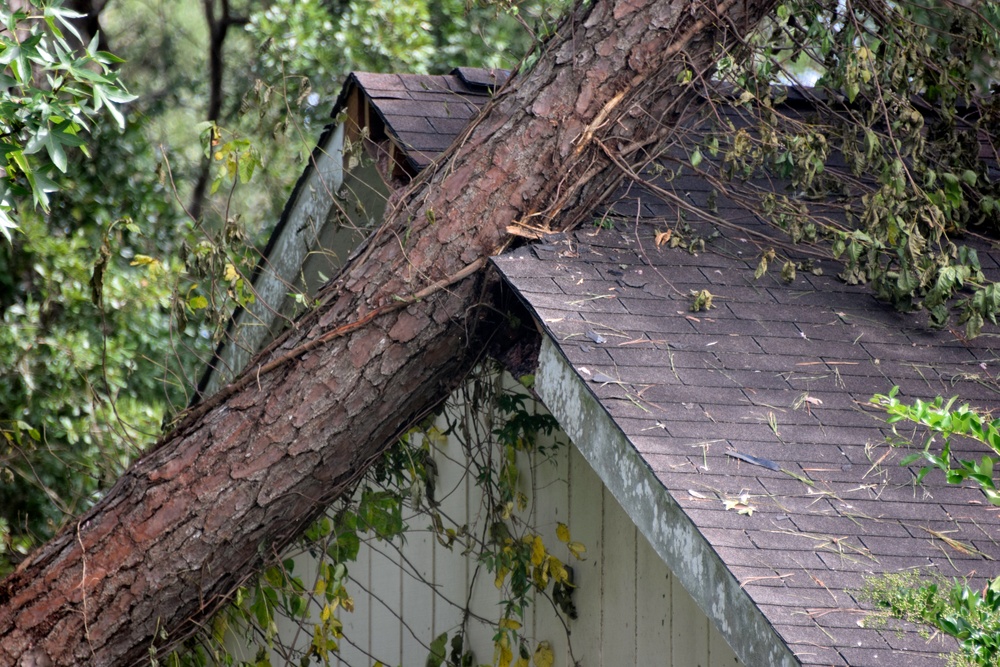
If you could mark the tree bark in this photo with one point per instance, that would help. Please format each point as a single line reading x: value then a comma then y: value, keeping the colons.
x: 249, y: 469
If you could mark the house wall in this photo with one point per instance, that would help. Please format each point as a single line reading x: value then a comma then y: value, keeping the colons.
x: 333, y: 211
x: 355, y: 211
x: 254, y: 325
x: 631, y: 609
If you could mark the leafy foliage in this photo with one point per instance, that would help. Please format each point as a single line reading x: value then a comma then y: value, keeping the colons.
x: 310, y: 46
x: 941, y: 420
x: 904, y: 127
x: 53, y: 94
x: 953, y: 608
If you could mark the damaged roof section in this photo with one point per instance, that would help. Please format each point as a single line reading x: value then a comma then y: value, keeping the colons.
x: 414, y: 117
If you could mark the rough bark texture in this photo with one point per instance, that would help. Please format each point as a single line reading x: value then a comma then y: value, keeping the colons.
x: 245, y: 473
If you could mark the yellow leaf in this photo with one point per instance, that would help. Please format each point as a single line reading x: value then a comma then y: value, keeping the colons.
x: 740, y: 505
x: 544, y: 657
x: 663, y: 237
x: 541, y: 575
x: 502, y: 655
x: 562, y: 532
x: 142, y: 260
x: 522, y: 662
x: 501, y: 575
x: 558, y: 570
x: 230, y: 273
x: 325, y: 614
x: 509, y: 624
x: 318, y: 642
x: 576, y: 548
x: 145, y: 260
x: 537, y: 551
x: 436, y: 437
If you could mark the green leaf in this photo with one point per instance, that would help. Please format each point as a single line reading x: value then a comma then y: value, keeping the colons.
x: 246, y: 167
x: 108, y: 58
x: 6, y: 223
x: 197, y: 303
x: 438, y: 651
x: 56, y: 152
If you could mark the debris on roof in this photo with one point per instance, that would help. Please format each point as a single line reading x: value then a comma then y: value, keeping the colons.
x: 754, y: 416
x: 746, y: 397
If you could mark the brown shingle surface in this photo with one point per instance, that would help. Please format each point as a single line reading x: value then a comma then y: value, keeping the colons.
x: 424, y: 113
x: 691, y: 387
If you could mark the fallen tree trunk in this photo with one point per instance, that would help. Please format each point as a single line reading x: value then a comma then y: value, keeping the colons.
x: 249, y: 469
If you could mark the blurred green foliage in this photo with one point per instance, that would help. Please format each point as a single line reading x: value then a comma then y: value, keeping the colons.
x: 111, y: 295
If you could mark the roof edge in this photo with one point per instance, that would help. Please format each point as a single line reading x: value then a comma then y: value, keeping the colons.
x: 661, y: 520
x: 305, y: 186
x: 480, y: 78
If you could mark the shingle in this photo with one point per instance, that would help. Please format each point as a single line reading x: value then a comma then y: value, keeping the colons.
x: 428, y: 142
x: 371, y: 81
x: 450, y: 108
x: 425, y: 83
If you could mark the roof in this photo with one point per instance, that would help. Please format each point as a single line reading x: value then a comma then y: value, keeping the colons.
x: 760, y: 402
x: 783, y: 373
x: 424, y: 113
x: 419, y: 115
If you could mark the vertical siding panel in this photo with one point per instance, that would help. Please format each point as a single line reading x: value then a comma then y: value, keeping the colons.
x: 484, y: 597
x: 618, y: 629
x: 292, y: 633
x: 356, y: 646
x: 418, y: 597
x: 586, y: 509
x: 631, y: 610
x: 450, y: 566
x: 689, y: 634
x: 550, y: 505
x: 386, y: 602
x: 653, y: 607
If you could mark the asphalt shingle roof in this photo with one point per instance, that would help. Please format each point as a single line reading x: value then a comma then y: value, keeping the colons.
x: 781, y: 372
x: 774, y: 373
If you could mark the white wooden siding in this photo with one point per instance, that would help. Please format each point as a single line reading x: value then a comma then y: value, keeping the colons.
x: 631, y: 611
